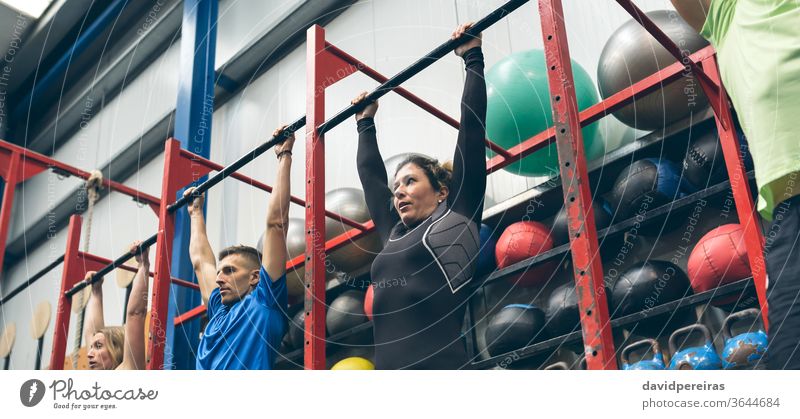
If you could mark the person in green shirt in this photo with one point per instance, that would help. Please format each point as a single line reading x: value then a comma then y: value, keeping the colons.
x: 758, y: 53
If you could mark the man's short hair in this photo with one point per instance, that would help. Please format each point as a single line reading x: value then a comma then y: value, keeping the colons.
x: 250, y: 254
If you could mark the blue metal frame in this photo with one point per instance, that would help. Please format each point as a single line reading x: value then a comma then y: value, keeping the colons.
x: 193, y: 117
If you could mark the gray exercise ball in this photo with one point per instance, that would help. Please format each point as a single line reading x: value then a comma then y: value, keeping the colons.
x: 345, y: 312
x: 295, y: 246
x: 349, y: 203
x: 632, y: 54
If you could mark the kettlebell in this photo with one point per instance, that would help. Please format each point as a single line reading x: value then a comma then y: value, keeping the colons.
x: 656, y: 363
x: 560, y: 365
x: 745, y: 350
x: 696, y: 357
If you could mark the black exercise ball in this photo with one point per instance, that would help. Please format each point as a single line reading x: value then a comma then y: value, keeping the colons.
x: 646, y: 185
x: 286, y: 344
x: 345, y: 312
x: 562, y: 310
x: 560, y: 231
x: 647, y: 285
x: 297, y: 330
x: 704, y: 164
x: 514, y: 327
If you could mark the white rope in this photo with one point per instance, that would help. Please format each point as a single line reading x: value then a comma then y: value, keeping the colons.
x: 92, y: 186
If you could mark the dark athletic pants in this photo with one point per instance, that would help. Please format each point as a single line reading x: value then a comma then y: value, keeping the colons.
x: 782, y: 251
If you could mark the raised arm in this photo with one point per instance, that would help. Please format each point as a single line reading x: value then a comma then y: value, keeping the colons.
x: 273, y: 255
x: 93, y: 321
x: 468, y: 185
x: 133, y: 354
x: 372, y: 172
x: 200, y: 253
x: 693, y: 11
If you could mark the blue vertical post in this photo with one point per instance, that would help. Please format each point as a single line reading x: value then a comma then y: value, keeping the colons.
x: 193, y: 116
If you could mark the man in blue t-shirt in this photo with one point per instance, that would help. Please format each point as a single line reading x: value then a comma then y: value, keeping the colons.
x: 245, y: 293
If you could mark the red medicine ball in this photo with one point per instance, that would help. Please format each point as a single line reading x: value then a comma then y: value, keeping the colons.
x: 368, y: 301
x: 523, y: 240
x: 719, y: 258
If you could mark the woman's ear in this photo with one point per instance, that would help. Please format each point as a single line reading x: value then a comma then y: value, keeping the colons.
x: 443, y: 193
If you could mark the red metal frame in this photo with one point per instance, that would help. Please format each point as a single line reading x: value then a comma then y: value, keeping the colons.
x: 75, y: 268
x: 76, y: 264
x: 585, y: 249
x: 321, y: 72
x: 18, y: 164
x: 748, y: 217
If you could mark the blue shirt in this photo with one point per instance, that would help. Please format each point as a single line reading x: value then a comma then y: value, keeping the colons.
x: 247, y: 334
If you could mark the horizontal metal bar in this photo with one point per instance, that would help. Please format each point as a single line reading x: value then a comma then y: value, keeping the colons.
x: 32, y: 157
x: 420, y: 65
x: 190, y: 315
x: 186, y: 284
x: 38, y: 275
x: 334, y: 243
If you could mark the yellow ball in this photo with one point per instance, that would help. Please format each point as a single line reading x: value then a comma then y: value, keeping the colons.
x: 354, y: 363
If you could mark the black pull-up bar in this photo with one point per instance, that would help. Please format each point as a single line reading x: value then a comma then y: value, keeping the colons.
x: 105, y: 270
x: 37, y: 276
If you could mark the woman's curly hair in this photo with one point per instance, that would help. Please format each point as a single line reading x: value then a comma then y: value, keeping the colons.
x: 439, y: 174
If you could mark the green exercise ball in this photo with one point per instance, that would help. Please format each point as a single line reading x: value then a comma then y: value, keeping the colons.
x: 519, y: 108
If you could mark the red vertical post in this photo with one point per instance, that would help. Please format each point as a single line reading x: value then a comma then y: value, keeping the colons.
x: 174, y: 173
x: 71, y: 274
x: 314, y: 356
x: 11, y: 178
x: 748, y: 218
x: 588, y: 270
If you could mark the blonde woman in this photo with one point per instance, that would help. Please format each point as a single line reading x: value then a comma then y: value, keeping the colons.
x: 118, y: 347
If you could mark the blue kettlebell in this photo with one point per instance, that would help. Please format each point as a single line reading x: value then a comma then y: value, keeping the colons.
x: 656, y: 363
x: 696, y: 357
x: 745, y: 350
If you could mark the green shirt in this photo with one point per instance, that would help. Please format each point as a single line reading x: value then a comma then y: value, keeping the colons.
x: 758, y: 51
